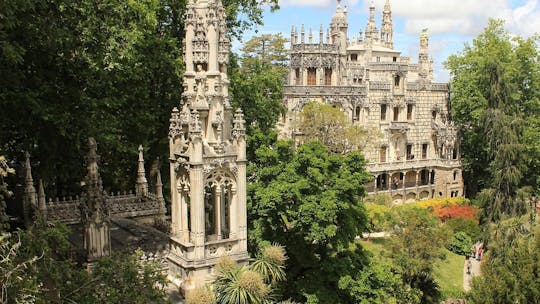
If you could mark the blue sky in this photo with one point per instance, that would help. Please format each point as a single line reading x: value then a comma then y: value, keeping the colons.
x: 451, y: 23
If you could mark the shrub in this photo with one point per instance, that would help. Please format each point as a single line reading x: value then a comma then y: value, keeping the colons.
x: 380, y: 217
x: 448, y: 212
x: 460, y: 243
x: 468, y: 226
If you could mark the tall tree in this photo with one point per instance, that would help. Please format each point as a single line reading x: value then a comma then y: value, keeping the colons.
x: 496, y: 101
x: 111, y: 69
x: 267, y: 48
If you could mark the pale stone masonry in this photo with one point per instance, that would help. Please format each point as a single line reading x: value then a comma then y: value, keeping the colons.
x: 417, y: 154
x: 207, y: 155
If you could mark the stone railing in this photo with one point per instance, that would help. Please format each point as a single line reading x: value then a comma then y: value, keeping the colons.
x: 314, y: 47
x: 412, y: 165
x: 379, y: 85
x: 389, y: 66
x: 440, y: 87
x: 67, y: 211
x: 399, y: 126
x: 64, y: 211
x: 323, y: 90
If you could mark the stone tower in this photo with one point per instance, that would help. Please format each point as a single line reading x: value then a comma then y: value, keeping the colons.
x: 387, y: 29
x: 207, y: 155
x: 94, y: 215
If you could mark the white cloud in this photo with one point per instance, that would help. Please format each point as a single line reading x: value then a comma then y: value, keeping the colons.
x: 318, y: 3
x: 464, y: 17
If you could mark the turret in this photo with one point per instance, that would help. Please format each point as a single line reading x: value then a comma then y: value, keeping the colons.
x: 372, y: 32
x: 387, y: 28
x: 424, y: 63
x: 338, y: 28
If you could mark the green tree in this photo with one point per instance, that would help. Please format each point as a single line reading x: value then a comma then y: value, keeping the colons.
x: 495, y: 101
x: 510, y: 273
x: 308, y: 200
x: 417, y: 243
x: 267, y: 48
x: 379, y: 283
x: 330, y: 126
x: 110, y: 69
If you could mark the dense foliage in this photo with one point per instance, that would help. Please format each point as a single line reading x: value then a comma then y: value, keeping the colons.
x: 307, y: 200
x: 496, y: 103
x: 108, y: 69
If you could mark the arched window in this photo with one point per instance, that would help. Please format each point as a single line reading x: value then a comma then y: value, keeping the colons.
x: 397, y: 81
x: 218, y: 198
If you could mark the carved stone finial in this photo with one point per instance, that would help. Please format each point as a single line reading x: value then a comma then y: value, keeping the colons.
x: 141, y: 188
x: 42, y: 202
x: 29, y: 195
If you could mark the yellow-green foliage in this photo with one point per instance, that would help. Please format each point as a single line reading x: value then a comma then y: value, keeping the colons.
x: 379, y: 216
x: 442, y: 201
x: 201, y: 295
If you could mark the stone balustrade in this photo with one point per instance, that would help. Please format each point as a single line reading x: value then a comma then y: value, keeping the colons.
x: 411, y: 165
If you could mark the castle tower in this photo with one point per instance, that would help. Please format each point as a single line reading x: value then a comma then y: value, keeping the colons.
x: 207, y: 155
x: 372, y: 32
x: 387, y: 29
x: 97, y: 235
x: 424, y: 63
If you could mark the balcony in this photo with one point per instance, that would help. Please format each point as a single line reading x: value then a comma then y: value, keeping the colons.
x: 412, y: 165
x: 399, y: 126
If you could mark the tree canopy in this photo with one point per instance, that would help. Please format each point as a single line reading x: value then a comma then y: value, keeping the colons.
x: 496, y: 103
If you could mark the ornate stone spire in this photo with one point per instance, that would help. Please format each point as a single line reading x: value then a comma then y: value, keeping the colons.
x: 302, y: 34
x: 371, y: 29
x: 142, y: 184
x: 321, y: 34
x: 387, y: 29
x: 30, y: 199
x: 97, y: 238
x: 425, y: 66
x: 159, y: 193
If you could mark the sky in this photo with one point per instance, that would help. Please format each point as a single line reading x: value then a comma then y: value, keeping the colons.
x: 450, y: 23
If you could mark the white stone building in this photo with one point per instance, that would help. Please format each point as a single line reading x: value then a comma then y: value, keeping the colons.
x: 417, y: 156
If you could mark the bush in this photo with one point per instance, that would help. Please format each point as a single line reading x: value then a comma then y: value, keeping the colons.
x: 468, y: 226
x: 445, y: 213
x: 380, y: 217
x: 460, y: 243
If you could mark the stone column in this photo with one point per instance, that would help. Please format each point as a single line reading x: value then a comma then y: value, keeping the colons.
x: 233, y: 220
x: 217, y: 212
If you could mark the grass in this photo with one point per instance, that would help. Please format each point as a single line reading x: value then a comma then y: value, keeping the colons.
x: 448, y: 272
x: 449, y: 275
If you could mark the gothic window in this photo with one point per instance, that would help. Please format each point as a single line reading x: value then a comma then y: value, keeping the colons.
x: 311, y: 76
x: 382, y: 154
x: 354, y: 57
x: 432, y: 177
x: 455, y: 175
x: 357, y: 113
x: 218, y: 198
x: 394, y: 59
x: 396, y: 113
x: 397, y: 81
x: 383, y: 112
x: 297, y: 77
x: 327, y: 76
x: 409, y: 112
x: 409, y: 152
x: 424, y: 176
x: 424, y: 151
x: 454, y: 153
x: 378, y: 59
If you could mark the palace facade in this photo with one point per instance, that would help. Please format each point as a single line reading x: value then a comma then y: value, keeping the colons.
x: 417, y: 154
